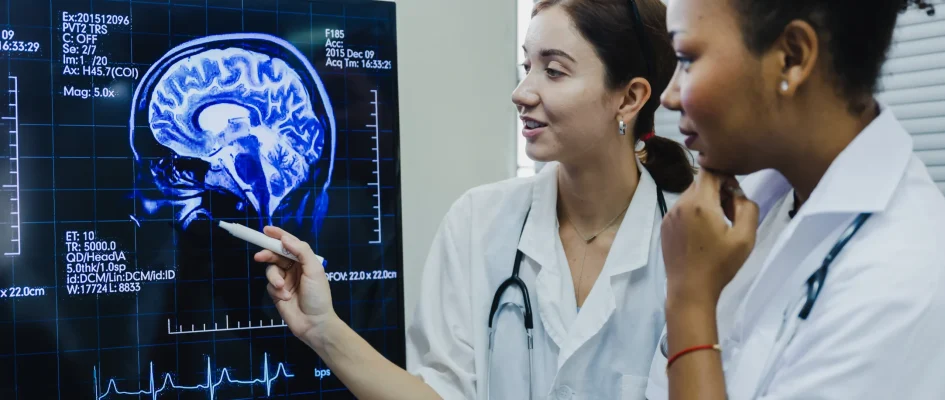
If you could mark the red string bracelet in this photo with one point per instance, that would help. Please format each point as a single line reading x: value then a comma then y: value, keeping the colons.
x: 689, y: 350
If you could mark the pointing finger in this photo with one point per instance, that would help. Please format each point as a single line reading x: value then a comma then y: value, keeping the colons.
x: 269, y: 257
x: 277, y: 232
x: 274, y: 231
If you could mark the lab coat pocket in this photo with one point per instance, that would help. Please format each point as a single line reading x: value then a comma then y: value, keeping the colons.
x: 632, y: 387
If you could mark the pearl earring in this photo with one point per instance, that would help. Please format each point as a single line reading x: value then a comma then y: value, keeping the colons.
x: 622, y: 127
x: 784, y: 86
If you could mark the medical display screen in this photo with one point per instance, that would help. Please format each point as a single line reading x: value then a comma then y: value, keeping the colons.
x: 128, y: 130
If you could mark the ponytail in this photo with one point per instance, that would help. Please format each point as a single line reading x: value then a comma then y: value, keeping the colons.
x: 668, y: 162
x: 631, y: 40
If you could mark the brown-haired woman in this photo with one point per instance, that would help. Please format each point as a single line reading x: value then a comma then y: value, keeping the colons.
x: 582, y: 236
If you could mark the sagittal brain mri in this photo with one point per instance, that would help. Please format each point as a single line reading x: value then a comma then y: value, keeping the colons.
x: 241, y: 115
x: 129, y: 130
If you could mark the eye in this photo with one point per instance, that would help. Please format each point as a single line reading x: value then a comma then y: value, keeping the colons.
x: 526, y: 67
x: 553, y: 72
x: 683, y: 61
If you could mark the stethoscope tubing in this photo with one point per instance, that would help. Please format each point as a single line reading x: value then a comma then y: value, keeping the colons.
x: 526, y: 308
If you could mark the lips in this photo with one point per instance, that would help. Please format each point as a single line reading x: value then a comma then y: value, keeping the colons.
x: 691, y: 136
x: 532, y: 127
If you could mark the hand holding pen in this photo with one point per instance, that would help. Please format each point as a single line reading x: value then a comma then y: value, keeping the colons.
x: 298, y: 284
x: 300, y: 288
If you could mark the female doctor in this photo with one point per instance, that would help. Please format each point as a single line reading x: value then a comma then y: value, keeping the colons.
x: 843, y: 293
x: 585, y: 232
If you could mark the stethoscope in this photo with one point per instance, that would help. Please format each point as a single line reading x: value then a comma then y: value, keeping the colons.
x: 526, y: 307
x: 814, y: 285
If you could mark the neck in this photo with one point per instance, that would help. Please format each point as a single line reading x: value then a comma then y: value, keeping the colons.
x: 590, y: 195
x: 827, y: 130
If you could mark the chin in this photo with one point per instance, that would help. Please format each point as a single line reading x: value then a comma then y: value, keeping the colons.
x: 539, y: 153
x: 726, y: 168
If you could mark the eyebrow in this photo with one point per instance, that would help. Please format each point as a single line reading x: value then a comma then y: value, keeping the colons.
x: 549, y: 53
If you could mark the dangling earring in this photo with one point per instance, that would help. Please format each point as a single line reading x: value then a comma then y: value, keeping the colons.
x: 622, y: 128
x: 784, y: 86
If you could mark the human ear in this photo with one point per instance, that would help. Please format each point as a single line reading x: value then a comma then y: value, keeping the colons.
x: 797, y: 50
x: 635, y: 95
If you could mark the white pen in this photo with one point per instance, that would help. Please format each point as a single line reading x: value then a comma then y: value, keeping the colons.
x: 260, y: 239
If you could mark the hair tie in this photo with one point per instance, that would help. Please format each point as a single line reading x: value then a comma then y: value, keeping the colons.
x: 647, y: 136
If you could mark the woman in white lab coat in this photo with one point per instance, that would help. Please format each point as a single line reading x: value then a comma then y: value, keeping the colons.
x: 589, y: 246
x: 843, y: 293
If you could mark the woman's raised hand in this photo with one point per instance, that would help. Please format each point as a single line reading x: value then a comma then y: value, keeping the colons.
x: 300, y: 289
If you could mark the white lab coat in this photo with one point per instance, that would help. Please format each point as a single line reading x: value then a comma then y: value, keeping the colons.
x: 877, y: 328
x: 603, y: 352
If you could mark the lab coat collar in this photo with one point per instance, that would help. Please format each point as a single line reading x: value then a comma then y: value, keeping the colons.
x: 540, y: 231
x: 630, y: 251
x: 631, y: 247
x: 856, y: 182
x: 765, y: 188
x: 538, y: 235
x: 538, y: 242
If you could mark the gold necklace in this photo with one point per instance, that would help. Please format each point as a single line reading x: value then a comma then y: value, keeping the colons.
x: 587, y: 241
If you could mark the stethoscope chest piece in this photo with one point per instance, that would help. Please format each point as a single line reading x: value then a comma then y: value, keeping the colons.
x: 664, y: 346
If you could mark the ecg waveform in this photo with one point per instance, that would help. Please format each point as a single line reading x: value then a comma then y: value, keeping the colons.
x: 209, y: 385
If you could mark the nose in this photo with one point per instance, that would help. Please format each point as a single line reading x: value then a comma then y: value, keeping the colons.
x: 524, y: 95
x: 670, y: 97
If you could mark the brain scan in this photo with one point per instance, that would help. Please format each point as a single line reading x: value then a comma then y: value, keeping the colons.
x: 242, y: 115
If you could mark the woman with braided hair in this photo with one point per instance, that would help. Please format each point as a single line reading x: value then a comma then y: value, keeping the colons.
x: 821, y: 275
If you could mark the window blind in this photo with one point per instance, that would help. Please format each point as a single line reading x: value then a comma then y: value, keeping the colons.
x: 913, y: 84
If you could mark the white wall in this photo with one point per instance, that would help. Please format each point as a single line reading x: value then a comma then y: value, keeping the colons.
x: 457, y: 72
